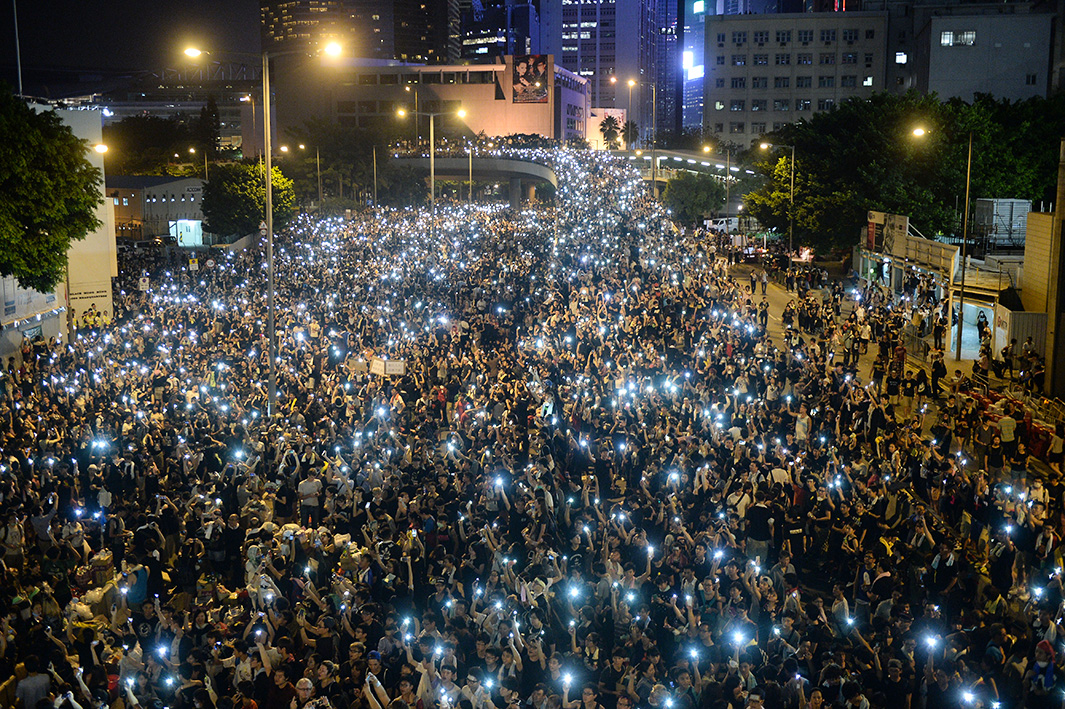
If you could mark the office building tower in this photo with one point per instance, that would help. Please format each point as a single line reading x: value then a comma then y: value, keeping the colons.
x: 764, y: 71
x: 959, y: 49
x: 604, y: 39
x: 500, y: 28
x: 692, y: 63
x: 668, y: 65
x: 425, y: 31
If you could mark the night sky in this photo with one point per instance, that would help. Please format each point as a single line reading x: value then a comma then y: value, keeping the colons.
x: 116, y: 36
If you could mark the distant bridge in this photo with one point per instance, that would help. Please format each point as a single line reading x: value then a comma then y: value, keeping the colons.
x: 516, y: 173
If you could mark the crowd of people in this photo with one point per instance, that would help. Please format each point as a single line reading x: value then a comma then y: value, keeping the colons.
x: 593, y: 478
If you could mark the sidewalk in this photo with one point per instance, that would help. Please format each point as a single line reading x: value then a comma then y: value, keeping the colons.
x: 779, y: 297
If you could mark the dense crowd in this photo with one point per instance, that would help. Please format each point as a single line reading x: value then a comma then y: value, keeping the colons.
x: 593, y: 480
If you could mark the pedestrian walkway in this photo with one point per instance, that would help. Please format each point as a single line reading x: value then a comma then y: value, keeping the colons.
x: 779, y: 297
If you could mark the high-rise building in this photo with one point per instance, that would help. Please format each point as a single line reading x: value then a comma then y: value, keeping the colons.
x: 693, y: 64
x: 500, y: 28
x: 764, y: 71
x: 406, y: 30
x: 668, y: 66
x: 958, y: 49
x: 298, y: 25
x: 604, y: 39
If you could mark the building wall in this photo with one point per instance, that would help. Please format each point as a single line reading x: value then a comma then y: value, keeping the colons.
x: 368, y: 96
x: 1036, y: 272
x: 129, y: 212
x: 765, y: 71
x: 911, y: 42
x: 1006, y: 56
x: 93, y: 260
x: 162, y: 204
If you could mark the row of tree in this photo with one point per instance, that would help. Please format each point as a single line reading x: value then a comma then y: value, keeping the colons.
x: 864, y: 155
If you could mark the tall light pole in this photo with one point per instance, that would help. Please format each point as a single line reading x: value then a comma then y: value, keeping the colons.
x: 417, y: 120
x: 964, y: 244
x: 18, y: 50
x: 791, y: 199
x: 192, y: 151
x: 332, y: 49
x: 318, y: 167
x: 461, y: 113
x: 920, y: 132
x: 628, y: 114
x: 728, y: 197
x: 654, y: 138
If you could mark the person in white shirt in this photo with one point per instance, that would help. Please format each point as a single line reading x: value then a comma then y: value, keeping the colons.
x: 309, y: 489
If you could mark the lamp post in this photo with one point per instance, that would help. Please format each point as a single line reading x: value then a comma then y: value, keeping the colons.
x: 920, y: 132
x: 318, y: 167
x: 654, y: 138
x: 461, y: 113
x: 417, y: 121
x: 791, y: 199
x: 332, y: 49
x: 628, y: 114
x: 192, y: 151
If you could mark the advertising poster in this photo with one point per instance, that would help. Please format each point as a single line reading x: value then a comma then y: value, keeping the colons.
x: 531, y: 79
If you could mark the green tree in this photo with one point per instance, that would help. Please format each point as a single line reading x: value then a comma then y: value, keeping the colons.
x: 49, y: 193
x: 692, y: 196
x: 862, y: 155
x: 609, y: 129
x: 234, y: 200
x: 402, y: 186
x: 146, y: 145
x: 208, y: 129
x: 630, y: 133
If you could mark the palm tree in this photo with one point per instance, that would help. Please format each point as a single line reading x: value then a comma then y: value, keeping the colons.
x: 610, y: 128
x: 629, y: 133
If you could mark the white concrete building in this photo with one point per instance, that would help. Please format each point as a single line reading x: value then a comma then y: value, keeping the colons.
x: 765, y: 71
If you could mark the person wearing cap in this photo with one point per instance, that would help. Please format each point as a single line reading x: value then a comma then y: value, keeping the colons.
x: 1040, y: 679
x: 377, y: 668
x: 897, y: 688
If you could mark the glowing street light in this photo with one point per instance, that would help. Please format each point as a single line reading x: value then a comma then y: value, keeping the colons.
x: 332, y: 49
x: 920, y: 132
x: 403, y: 113
x: 791, y: 199
x: 192, y: 151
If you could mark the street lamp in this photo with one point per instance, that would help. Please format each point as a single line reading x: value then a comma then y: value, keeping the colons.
x: 461, y: 113
x: 192, y: 151
x: 628, y: 114
x: 920, y: 132
x: 318, y: 167
x: 791, y: 199
x: 332, y: 49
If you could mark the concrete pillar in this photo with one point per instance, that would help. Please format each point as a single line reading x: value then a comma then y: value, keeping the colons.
x: 515, y: 192
x: 530, y: 192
